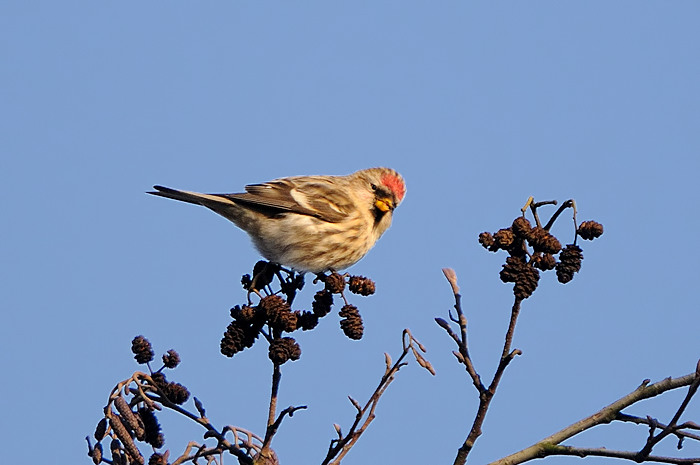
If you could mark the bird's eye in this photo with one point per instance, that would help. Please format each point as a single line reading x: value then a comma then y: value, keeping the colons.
x: 373, y: 186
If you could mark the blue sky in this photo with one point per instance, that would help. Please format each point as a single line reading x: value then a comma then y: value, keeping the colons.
x: 478, y: 104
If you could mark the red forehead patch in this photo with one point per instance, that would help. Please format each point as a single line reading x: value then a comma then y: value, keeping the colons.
x: 396, y: 185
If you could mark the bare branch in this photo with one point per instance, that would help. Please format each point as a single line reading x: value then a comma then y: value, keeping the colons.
x: 646, y: 421
x: 460, y: 340
x: 339, y: 447
x: 672, y: 426
x: 549, y: 445
x: 272, y: 429
x: 603, y: 452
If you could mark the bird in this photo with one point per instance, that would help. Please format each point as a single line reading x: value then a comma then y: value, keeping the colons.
x: 309, y: 223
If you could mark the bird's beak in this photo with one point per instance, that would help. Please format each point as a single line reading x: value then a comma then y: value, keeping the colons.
x: 384, y: 205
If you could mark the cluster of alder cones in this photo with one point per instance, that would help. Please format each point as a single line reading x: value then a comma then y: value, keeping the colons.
x: 273, y: 315
x: 132, y: 418
x: 534, y: 249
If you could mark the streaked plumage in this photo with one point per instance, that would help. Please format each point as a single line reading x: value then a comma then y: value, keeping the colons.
x: 310, y: 223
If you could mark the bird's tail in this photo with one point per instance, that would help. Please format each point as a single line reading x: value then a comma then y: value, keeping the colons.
x: 207, y: 200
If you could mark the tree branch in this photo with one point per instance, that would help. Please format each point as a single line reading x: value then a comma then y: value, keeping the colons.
x: 365, y: 415
x: 550, y: 445
x: 486, y: 396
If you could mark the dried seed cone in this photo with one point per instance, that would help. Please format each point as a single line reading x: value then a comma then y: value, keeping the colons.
x: 245, y: 314
x: 96, y: 454
x: 157, y: 459
x: 504, y: 238
x: 288, y: 321
x: 513, y: 267
x: 569, y: 263
x: 177, y: 393
x: 159, y: 380
x: 284, y: 349
x: 590, y: 230
x: 142, y: 349
x: 101, y: 430
x: 115, y: 448
x: 522, y: 228
x: 542, y: 241
x: 307, y: 320
x: 121, y: 431
x: 273, y: 304
x: 335, y: 283
x: 278, y: 313
x: 487, y: 241
x: 171, y: 359
x: 117, y: 425
x: 351, y: 324
x: 236, y: 338
x: 545, y: 262
x: 131, y: 421
x: 321, y: 306
x: 150, y: 424
x: 526, y: 283
x: 361, y: 285
x: 518, y: 249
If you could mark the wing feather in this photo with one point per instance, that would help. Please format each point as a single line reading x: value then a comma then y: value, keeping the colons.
x: 308, y: 195
x: 304, y: 196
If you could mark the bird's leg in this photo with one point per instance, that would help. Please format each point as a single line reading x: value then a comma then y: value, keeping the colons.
x: 322, y: 277
x: 256, y: 292
x: 291, y: 284
x: 261, y: 279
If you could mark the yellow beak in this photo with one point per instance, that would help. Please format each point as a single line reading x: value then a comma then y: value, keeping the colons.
x: 384, y: 205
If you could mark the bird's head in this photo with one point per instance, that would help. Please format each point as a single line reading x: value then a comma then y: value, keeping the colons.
x: 387, y: 187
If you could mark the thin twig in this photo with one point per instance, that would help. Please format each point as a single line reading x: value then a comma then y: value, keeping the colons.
x: 274, y: 391
x: 568, y: 204
x: 603, y: 452
x: 534, y: 206
x: 486, y: 396
x: 672, y: 426
x: 514, y: 313
x: 460, y: 340
x: 272, y: 429
x: 202, y: 451
x: 243, y: 458
x: 545, y: 447
x: 679, y: 433
x: 365, y: 414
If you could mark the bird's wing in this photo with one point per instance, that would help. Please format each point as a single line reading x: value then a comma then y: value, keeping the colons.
x: 311, y: 197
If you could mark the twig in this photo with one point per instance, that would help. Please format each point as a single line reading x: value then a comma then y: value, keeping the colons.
x: 272, y: 429
x: 274, y: 391
x: 202, y: 451
x: 627, y: 455
x: 679, y: 433
x: 568, y: 204
x: 243, y: 458
x: 550, y: 445
x: 486, y: 395
x: 672, y: 426
x: 535, y: 205
x: 338, y: 448
x: 461, y: 340
x: 514, y: 313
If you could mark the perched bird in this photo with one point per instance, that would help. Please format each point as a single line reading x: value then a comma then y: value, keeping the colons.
x: 310, y: 223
